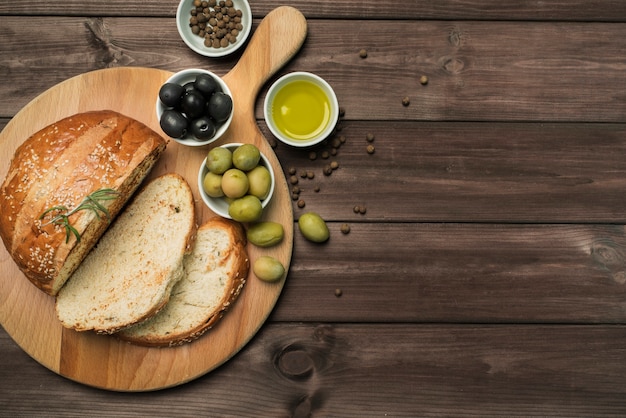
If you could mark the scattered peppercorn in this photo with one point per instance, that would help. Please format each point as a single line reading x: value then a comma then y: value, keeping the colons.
x: 338, y: 292
x: 328, y: 170
x: 363, y: 53
x: 316, y: 189
x: 303, y: 174
x: 423, y: 80
x: 312, y: 155
x: 342, y: 112
x: 334, y: 165
x: 370, y: 137
x: 325, y: 155
x: 359, y: 209
x: 292, y: 170
x: 301, y: 203
x: 345, y: 228
x: 310, y: 175
x: 370, y: 149
x: 406, y: 101
x: 293, y: 180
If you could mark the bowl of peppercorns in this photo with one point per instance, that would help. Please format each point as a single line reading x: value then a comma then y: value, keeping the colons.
x: 214, y: 28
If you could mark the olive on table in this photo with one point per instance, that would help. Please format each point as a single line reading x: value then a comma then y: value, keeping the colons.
x: 265, y: 234
x: 268, y: 268
x: 313, y: 227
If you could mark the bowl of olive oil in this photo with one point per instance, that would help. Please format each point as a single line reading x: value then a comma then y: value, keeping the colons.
x: 301, y: 109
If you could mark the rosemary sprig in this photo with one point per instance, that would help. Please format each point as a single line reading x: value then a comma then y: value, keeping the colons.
x: 90, y: 202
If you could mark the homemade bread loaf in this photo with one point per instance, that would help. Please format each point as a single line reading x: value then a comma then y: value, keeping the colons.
x: 215, y: 273
x: 61, y: 165
x: 129, y: 274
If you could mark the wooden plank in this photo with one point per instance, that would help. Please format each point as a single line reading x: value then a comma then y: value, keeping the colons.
x: 516, y: 172
x: 578, y: 10
x: 516, y: 71
x: 367, y: 370
x: 469, y: 273
x: 502, y: 172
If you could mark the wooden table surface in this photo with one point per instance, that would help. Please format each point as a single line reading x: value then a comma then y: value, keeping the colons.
x: 488, y: 274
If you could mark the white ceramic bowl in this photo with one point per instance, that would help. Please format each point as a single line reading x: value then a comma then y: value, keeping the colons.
x: 183, y: 77
x: 328, y: 92
x: 219, y: 205
x: 196, y: 43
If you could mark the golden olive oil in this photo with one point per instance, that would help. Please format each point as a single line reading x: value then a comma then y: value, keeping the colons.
x: 301, y: 110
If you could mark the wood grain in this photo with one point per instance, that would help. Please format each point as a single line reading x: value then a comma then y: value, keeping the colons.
x: 571, y: 10
x: 368, y: 370
x: 485, y: 279
x: 478, y: 71
x: 459, y: 273
x: 104, y: 361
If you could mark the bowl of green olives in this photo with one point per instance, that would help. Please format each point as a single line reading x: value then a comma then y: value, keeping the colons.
x: 194, y: 107
x: 214, y: 28
x: 236, y: 181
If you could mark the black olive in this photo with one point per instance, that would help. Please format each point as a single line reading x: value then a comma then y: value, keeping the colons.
x: 174, y: 123
x: 206, y: 84
x: 193, y: 104
x: 203, y: 128
x: 188, y: 87
x: 220, y: 106
x: 170, y: 94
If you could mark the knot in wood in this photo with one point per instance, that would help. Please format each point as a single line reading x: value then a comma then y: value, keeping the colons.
x: 295, y: 363
x: 453, y: 65
x: 608, y: 255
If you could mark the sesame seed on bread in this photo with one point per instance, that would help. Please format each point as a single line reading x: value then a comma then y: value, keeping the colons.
x: 60, y: 165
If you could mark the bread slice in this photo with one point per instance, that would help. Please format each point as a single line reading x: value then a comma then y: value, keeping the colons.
x: 60, y: 165
x: 215, y: 273
x: 129, y: 274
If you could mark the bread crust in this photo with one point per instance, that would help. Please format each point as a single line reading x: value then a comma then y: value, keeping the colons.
x: 236, y: 252
x: 60, y: 165
x: 129, y: 275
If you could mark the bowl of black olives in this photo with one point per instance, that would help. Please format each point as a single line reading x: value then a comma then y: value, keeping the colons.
x: 236, y: 181
x: 214, y: 28
x: 194, y: 107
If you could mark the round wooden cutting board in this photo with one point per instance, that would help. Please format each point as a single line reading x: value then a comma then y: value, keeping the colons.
x: 28, y: 315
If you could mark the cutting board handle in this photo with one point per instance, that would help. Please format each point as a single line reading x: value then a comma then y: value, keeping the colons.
x: 276, y: 40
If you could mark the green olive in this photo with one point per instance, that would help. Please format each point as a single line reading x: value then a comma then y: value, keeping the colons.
x: 235, y: 183
x: 313, y: 227
x: 268, y: 268
x: 246, y: 209
x: 246, y: 157
x: 260, y: 181
x: 219, y: 160
x: 212, y: 184
x: 265, y: 234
